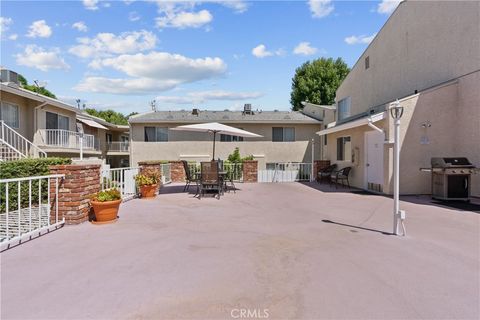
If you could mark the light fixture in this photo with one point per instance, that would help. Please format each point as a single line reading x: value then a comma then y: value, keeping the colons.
x: 396, y: 110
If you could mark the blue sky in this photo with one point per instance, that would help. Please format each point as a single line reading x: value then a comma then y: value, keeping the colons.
x: 207, y: 54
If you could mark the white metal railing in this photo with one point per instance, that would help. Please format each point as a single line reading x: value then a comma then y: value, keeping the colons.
x: 14, y: 146
x: 166, y: 173
x: 233, y: 170
x: 28, y: 207
x: 286, y: 172
x: 122, y: 179
x: 68, y: 139
x: 118, y: 146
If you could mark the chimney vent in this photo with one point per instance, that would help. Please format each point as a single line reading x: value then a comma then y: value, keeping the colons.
x: 195, y: 111
x: 247, y: 108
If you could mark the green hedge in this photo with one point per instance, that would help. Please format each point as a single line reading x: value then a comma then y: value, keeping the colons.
x: 25, y: 168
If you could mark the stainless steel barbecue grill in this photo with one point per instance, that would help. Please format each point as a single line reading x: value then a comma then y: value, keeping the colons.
x: 451, y: 178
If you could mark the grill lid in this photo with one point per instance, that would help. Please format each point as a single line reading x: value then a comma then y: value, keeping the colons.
x: 451, y: 162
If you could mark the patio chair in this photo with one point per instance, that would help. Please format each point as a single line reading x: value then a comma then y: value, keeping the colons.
x: 325, y: 173
x: 210, y: 179
x: 189, y: 176
x: 341, y: 176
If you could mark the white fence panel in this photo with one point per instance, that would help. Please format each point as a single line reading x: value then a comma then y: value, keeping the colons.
x: 166, y: 173
x: 286, y: 172
x: 122, y: 179
x: 27, y: 208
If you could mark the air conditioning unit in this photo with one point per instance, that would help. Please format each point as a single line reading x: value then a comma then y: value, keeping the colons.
x: 8, y: 76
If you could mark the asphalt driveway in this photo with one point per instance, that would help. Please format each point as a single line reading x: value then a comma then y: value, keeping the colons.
x: 269, y: 251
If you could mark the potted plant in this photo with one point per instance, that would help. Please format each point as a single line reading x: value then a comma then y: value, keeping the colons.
x: 147, y: 182
x: 105, y: 205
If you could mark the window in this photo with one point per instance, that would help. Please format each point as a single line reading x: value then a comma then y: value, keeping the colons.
x: 156, y: 134
x: 325, y: 139
x: 367, y: 62
x: 283, y: 134
x: 57, y: 121
x: 229, y: 138
x: 344, y: 149
x: 109, y: 137
x: 344, y: 108
x: 9, y: 114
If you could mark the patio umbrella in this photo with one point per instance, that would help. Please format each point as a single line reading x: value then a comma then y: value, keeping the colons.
x: 215, y: 128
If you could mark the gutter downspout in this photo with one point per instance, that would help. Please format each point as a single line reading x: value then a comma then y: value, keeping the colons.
x: 374, y: 127
x: 35, y: 124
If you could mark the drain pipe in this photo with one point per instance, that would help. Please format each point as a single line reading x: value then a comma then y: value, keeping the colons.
x: 374, y: 127
x: 35, y: 124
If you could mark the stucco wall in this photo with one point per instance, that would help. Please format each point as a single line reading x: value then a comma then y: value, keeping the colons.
x: 424, y: 43
x: 198, y: 146
x: 25, y: 110
x: 468, y: 123
x: 451, y: 114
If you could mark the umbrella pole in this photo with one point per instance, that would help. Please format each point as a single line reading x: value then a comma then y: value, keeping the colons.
x: 214, y: 134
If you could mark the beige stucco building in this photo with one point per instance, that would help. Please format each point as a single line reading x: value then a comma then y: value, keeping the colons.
x: 427, y: 55
x: 34, y: 124
x: 286, y: 136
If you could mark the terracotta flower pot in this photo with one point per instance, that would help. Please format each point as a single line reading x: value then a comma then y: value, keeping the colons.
x: 105, y: 212
x: 148, y: 191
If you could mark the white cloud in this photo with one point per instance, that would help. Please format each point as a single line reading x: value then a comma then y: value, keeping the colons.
x: 133, y: 16
x: 182, y: 20
x: 237, y: 5
x: 80, y: 26
x: 37, y: 57
x: 5, y: 24
x: 152, y: 72
x: 305, y: 49
x: 388, y: 6
x: 320, y: 8
x: 123, y: 85
x: 204, y: 96
x: 106, y: 44
x: 359, y: 39
x: 91, y: 4
x: 166, y: 66
x: 13, y: 36
x: 40, y: 29
x: 261, y: 51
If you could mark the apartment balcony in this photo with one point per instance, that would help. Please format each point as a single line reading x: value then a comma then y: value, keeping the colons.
x: 59, y: 140
x: 118, y: 147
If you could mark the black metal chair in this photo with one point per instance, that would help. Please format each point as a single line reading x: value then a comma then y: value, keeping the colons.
x: 325, y: 173
x: 210, y: 179
x: 341, y: 176
x: 189, y: 176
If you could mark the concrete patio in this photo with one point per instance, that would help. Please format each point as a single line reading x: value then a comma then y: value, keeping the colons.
x: 291, y: 250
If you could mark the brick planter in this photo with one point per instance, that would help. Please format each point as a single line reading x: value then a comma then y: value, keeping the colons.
x: 250, y: 171
x: 152, y: 166
x: 177, y: 172
x: 75, y: 191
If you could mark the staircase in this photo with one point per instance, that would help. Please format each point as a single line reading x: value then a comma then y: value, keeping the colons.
x: 14, y: 146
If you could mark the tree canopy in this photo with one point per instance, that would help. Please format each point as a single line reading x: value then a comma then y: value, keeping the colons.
x: 34, y: 88
x: 316, y: 82
x: 110, y: 115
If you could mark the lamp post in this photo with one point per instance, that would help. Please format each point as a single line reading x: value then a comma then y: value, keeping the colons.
x: 396, y: 111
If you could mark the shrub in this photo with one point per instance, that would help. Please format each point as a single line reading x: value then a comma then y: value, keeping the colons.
x: 107, y: 195
x: 26, y: 168
x: 148, y: 178
x: 235, y: 157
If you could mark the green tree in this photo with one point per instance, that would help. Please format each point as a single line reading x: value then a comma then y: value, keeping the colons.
x: 108, y: 115
x: 34, y: 88
x: 316, y: 82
